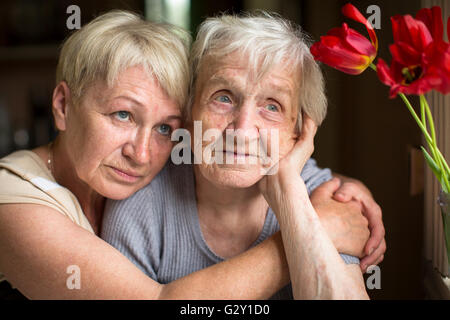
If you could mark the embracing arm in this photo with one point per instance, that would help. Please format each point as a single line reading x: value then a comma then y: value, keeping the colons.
x: 38, y: 244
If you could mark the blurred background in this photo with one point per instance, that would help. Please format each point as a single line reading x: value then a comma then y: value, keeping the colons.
x: 366, y: 135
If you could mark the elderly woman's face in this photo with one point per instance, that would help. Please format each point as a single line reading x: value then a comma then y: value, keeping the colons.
x: 120, y: 136
x: 228, y: 96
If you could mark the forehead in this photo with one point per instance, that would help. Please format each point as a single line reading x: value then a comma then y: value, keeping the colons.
x: 237, y: 68
x: 136, y: 86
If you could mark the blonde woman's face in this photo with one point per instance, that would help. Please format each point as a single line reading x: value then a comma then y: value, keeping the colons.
x: 120, y: 136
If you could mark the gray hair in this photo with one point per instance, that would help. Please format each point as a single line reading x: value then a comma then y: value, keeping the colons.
x: 118, y: 40
x: 266, y: 40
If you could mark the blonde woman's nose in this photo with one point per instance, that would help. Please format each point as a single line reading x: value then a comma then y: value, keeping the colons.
x: 139, y: 148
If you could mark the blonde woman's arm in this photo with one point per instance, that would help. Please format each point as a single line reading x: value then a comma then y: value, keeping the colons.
x: 38, y: 245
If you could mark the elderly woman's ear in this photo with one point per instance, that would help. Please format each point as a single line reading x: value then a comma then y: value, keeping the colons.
x: 60, y: 104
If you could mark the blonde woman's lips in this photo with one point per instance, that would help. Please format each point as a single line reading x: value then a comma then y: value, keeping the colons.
x: 125, y: 175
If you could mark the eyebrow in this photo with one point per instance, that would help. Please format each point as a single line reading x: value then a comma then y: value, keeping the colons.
x: 281, y: 89
x: 169, y: 118
x: 173, y: 117
x: 217, y: 80
x: 129, y: 99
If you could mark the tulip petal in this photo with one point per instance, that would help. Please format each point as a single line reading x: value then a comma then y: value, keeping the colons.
x: 432, y: 18
x: 354, y: 40
x: 414, y: 32
x: 384, y: 73
x: 333, y: 52
x: 351, y: 12
x: 437, y: 64
x: 405, y: 54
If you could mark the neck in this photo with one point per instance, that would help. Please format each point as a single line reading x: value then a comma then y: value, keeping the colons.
x: 63, y: 170
x: 231, y: 219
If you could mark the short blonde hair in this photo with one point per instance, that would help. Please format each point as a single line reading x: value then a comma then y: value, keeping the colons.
x: 266, y: 40
x: 118, y: 40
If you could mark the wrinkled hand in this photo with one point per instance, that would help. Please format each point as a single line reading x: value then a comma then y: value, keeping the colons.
x: 343, y: 221
x: 353, y: 190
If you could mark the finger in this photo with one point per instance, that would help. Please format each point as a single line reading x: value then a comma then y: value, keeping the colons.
x: 375, y: 241
x: 376, y: 263
x: 371, y: 259
x: 304, y: 147
x: 375, y: 256
x: 377, y: 232
x: 344, y: 193
x: 330, y: 187
x: 308, y: 131
x: 380, y: 259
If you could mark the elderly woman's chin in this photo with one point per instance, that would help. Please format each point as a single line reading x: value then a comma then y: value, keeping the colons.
x: 232, y: 176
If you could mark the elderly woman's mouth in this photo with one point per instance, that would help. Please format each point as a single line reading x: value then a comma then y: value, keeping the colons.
x: 232, y: 155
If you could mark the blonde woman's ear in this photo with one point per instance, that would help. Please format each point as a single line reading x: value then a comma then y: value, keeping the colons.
x: 60, y: 105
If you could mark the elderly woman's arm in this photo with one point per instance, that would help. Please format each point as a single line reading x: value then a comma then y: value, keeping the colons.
x: 38, y: 244
x: 316, y: 269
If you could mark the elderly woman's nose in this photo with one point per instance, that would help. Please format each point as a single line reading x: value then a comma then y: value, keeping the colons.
x: 246, y: 121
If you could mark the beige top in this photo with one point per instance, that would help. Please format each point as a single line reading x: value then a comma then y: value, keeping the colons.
x: 24, y: 178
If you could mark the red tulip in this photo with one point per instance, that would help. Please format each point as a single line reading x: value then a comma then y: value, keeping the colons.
x: 345, y: 49
x: 420, y: 58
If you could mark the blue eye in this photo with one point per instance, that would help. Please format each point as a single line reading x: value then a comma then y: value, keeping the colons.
x: 164, y: 129
x: 223, y: 99
x: 122, y: 116
x: 272, y: 108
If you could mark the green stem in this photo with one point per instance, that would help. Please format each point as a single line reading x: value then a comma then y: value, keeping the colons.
x: 422, y: 113
x: 444, y: 162
x: 374, y: 67
x: 423, y: 101
x: 413, y: 113
x: 438, y: 159
x: 431, y: 144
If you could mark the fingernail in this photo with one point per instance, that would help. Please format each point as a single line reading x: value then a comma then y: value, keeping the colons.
x: 370, y: 251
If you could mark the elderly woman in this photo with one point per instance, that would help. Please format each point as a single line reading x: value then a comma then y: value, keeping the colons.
x: 250, y: 74
x: 121, y: 84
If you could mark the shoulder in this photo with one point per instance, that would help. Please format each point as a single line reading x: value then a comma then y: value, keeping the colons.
x: 159, y: 193
x: 26, y: 181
